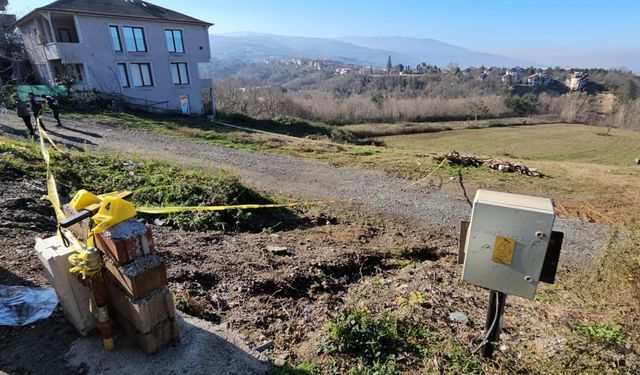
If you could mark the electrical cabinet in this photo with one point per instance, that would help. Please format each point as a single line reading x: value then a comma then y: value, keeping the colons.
x: 507, y: 242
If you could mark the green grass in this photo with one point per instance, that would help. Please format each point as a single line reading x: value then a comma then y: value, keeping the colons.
x: 604, y: 333
x: 553, y: 142
x: 153, y: 183
x: 371, y: 342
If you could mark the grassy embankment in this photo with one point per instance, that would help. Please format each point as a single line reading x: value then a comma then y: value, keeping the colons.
x: 153, y: 183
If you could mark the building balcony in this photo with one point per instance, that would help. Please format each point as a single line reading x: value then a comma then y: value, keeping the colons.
x: 67, y: 53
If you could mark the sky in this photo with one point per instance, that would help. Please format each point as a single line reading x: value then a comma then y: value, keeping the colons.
x: 551, y: 32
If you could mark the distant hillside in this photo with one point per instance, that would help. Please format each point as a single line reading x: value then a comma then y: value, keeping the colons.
x: 367, y: 51
x: 253, y: 47
x: 434, y: 52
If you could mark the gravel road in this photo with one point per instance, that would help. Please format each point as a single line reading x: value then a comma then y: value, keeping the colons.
x: 303, y: 179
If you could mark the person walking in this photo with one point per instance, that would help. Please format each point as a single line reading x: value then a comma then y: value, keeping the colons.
x: 55, y: 108
x: 36, y: 108
x: 23, y: 113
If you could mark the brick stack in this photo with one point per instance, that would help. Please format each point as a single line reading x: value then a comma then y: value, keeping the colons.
x: 137, y: 283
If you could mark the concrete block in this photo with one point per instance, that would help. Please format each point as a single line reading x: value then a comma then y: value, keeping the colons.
x: 138, y: 278
x: 126, y: 241
x: 163, y: 333
x: 73, y: 296
x: 144, y: 313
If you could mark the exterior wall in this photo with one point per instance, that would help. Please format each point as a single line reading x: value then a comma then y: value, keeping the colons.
x: 95, y: 52
x: 31, y: 36
x: 100, y: 60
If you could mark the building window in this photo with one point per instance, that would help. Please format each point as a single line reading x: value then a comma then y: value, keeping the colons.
x: 115, y: 38
x: 64, y: 36
x: 141, y: 74
x: 124, y: 75
x: 174, y: 40
x: 134, y: 39
x: 179, y: 73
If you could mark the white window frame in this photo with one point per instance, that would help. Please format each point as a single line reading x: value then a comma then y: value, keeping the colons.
x: 136, y: 65
x: 180, y: 78
x: 172, y: 29
x: 135, y: 42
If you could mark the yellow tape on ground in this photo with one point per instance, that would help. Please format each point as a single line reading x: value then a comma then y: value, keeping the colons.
x: 172, y: 210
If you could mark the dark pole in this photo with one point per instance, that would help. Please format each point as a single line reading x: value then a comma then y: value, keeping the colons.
x: 491, y: 328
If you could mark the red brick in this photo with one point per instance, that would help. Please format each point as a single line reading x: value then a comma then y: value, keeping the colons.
x: 126, y: 250
x: 138, y: 278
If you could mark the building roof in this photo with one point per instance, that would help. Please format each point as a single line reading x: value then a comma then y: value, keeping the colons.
x: 116, y: 8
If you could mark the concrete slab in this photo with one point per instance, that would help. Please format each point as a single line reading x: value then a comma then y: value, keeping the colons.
x: 204, y: 348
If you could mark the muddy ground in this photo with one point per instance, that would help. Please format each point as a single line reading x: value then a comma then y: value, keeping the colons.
x: 278, y: 286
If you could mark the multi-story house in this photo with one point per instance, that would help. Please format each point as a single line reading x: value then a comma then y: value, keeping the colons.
x: 146, y: 54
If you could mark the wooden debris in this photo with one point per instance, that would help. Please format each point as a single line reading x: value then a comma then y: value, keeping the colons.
x: 454, y: 158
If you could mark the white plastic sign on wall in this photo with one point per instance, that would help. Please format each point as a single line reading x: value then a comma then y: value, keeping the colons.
x: 507, y: 242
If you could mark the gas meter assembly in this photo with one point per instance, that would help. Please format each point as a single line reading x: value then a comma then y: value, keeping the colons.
x: 507, y: 243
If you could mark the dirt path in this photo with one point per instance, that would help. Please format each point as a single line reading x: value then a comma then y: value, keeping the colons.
x: 303, y: 179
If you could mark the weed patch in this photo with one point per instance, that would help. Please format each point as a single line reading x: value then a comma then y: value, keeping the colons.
x: 153, y: 183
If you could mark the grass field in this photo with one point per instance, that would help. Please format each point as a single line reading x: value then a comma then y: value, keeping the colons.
x: 556, y: 142
x: 590, y: 176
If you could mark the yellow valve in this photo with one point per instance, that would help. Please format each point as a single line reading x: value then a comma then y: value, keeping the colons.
x: 83, y: 199
x: 113, y: 210
x: 86, y: 263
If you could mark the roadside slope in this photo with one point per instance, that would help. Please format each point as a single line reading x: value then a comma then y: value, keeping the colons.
x: 304, y: 179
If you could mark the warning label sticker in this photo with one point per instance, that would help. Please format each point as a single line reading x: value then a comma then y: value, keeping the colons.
x: 503, y: 250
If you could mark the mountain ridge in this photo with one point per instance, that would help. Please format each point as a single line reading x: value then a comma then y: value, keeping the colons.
x: 251, y: 46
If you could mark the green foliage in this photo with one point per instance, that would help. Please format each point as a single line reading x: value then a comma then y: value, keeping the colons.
x: 305, y: 368
x: 19, y: 158
x: 7, y: 96
x: 380, y: 341
x: 160, y: 184
x: 342, y: 136
x: 154, y: 183
x: 603, y: 333
x: 378, y: 100
x: 524, y: 105
x: 366, y: 152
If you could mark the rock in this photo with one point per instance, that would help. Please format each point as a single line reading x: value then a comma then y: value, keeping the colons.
x: 266, y: 346
x: 459, y: 317
x: 278, y: 250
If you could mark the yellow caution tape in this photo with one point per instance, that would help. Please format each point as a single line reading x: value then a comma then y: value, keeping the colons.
x: 171, y: 210
x: 53, y: 197
x: 52, y: 190
x: 425, y: 177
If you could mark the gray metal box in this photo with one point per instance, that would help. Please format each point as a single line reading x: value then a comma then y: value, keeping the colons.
x: 507, y: 242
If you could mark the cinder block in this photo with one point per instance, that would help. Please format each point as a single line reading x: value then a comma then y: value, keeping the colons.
x: 144, y: 313
x: 126, y: 241
x: 138, y: 278
x: 73, y: 296
x: 162, y: 334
